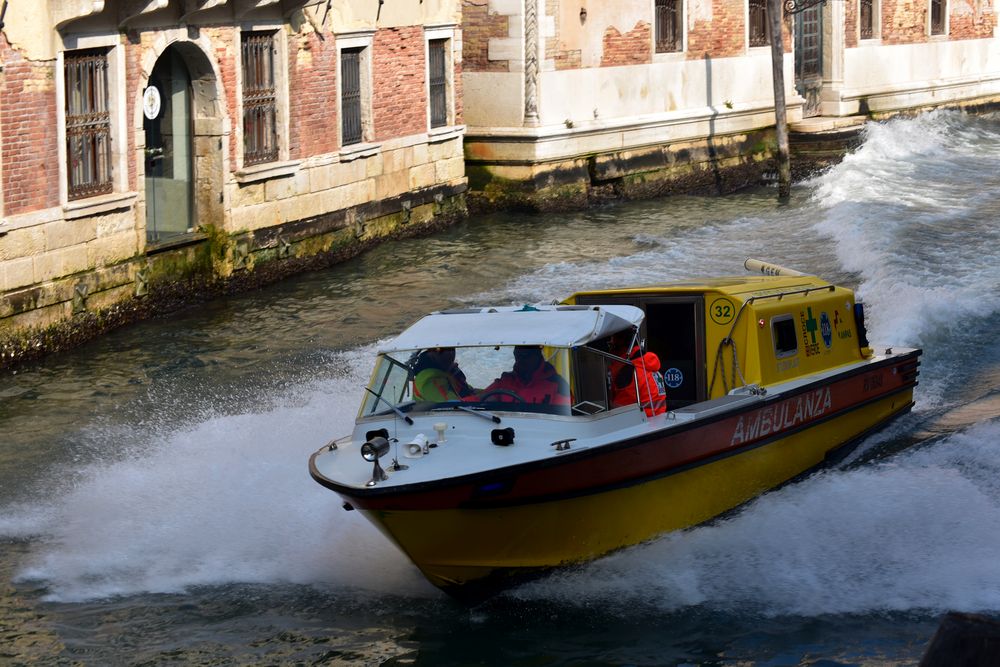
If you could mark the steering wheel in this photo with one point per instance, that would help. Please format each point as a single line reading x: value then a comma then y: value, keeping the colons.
x: 502, y: 392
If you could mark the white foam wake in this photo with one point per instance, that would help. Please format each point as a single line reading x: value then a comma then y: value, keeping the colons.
x: 227, y: 498
x: 919, y: 532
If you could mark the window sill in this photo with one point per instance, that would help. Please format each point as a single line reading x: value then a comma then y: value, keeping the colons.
x: 82, y: 208
x: 263, y: 172
x: 670, y: 57
x: 445, y: 133
x: 362, y: 150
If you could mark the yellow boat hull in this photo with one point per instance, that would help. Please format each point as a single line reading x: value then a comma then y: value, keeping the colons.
x: 456, y: 547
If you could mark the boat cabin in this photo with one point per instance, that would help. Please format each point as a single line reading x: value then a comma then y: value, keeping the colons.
x: 552, y: 359
x: 745, y: 331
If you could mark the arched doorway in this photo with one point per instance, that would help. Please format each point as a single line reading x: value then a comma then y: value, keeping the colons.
x: 168, y: 124
x: 183, y: 125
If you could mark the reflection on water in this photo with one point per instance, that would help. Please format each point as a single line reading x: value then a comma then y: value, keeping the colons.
x: 156, y: 506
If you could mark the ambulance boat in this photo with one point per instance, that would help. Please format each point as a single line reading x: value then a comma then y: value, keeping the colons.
x: 767, y: 376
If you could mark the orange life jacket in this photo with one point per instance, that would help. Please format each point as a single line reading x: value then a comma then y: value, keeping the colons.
x: 645, y: 381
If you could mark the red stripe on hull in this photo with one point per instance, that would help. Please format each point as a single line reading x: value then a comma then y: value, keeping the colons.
x: 658, y: 454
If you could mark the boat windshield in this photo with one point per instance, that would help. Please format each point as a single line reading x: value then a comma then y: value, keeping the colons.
x: 550, y: 380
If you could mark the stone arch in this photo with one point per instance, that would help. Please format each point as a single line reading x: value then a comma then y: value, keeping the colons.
x: 210, y: 124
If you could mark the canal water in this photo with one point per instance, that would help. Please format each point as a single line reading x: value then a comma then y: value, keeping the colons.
x: 156, y: 508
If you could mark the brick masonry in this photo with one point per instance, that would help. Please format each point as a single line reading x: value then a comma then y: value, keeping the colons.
x: 479, y: 26
x: 634, y: 47
x: 28, y: 113
x: 399, y: 95
x: 312, y: 69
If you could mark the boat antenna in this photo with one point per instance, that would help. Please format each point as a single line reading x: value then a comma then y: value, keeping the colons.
x: 395, y: 435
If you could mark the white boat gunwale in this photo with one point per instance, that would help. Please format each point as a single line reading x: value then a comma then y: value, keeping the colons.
x: 740, y: 404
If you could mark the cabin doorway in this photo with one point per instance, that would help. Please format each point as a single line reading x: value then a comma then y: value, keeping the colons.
x: 673, y: 330
x: 675, y: 334
x: 167, y: 123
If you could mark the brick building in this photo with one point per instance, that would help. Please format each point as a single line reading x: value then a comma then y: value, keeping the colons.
x: 155, y: 150
x: 565, y: 101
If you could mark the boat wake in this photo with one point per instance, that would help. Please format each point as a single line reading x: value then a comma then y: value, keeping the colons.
x: 918, y: 532
x: 224, y: 499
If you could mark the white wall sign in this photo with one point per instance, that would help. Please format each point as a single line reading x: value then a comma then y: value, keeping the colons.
x: 151, y: 102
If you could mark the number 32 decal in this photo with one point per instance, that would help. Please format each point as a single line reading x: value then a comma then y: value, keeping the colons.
x: 722, y: 311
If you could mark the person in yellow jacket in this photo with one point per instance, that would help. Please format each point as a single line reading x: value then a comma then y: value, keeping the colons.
x: 436, y: 377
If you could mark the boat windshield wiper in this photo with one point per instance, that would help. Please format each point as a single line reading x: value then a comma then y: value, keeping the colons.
x: 400, y: 413
x: 455, y: 405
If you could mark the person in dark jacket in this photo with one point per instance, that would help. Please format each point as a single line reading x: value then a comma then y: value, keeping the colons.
x: 532, y: 378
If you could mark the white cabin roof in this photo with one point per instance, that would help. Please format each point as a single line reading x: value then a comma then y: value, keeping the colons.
x: 556, y: 326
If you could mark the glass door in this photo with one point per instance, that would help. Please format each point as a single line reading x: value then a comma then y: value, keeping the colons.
x: 167, y: 123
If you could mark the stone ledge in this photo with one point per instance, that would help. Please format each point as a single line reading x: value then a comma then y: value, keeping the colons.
x: 83, y: 208
x: 269, y: 170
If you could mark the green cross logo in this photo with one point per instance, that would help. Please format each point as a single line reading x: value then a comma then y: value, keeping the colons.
x: 811, y: 325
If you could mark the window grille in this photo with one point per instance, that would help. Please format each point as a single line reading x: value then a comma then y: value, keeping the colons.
x: 260, y: 108
x: 668, y: 26
x: 758, y: 23
x: 438, y: 83
x: 88, y: 124
x: 937, y: 17
x: 867, y: 19
x: 350, y: 96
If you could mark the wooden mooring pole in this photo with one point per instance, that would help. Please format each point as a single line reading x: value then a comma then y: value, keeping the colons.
x: 774, y: 14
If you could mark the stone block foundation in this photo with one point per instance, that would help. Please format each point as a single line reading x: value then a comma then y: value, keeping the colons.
x: 711, y: 165
x: 55, y: 315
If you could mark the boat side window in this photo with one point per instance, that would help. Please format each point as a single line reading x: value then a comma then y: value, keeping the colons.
x: 590, y: 379
x: 786, y: 343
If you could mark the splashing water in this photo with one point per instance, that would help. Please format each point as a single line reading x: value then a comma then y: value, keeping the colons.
x: 226, y: 498
x: 920, y: 532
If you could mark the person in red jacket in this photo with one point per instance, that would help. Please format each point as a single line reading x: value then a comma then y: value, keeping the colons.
x: 642, y: 378
x: 533, y: 379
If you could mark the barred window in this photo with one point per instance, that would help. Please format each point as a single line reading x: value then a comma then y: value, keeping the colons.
x: 260, y: 132
x: 350, y: 96
x: 437, y: 66
x: 88, y: 124
x: 867, y: 19
x: 758, y: 23
x: 937, y: 17
x: 669, y: 21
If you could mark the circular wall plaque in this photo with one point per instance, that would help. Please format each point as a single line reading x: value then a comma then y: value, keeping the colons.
x: 151, y: 102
